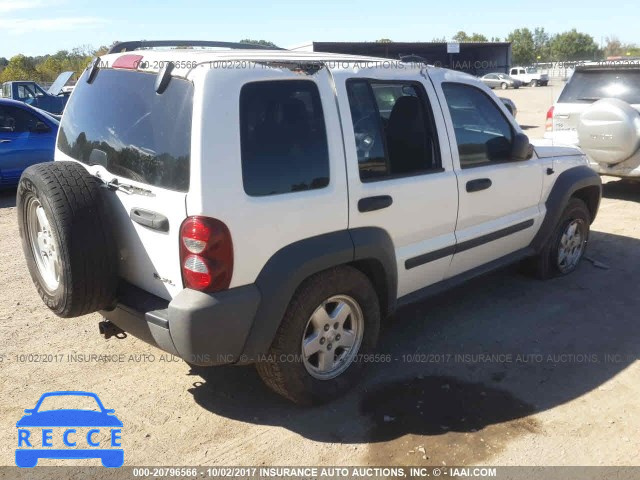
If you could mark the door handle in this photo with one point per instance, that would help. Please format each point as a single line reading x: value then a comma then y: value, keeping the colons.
x: 5, y: 141
x: 370, y: 204
x: 478, y: 184
x: 150, y: 219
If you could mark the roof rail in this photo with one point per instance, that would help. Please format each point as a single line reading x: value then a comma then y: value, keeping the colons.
x: 138, y: 44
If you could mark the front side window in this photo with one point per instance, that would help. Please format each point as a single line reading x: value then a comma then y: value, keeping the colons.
x: 483, y: 133
x: 25, y: 92
x: 394, y: 132
x: 283, y: 138
x: 16, y: 120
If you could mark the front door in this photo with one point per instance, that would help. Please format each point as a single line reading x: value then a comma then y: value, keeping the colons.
x: 499, y: 209
x: 20, y: 145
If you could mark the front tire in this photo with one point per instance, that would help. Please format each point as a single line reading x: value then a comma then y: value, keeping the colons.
x: 332, y: 319
x: 534, y: 83
x: 566, y: 246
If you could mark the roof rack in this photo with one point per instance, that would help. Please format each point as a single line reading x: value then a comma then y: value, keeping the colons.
x: 139, y: 44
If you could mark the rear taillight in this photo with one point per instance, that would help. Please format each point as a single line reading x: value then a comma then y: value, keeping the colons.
x: 548, y: 126
x: 206, y: 254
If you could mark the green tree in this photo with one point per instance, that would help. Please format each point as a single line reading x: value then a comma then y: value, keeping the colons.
x: 384, y: 40
x: 614, y: 47
x: 478, y: 37
x: 541, y: 45
x: 574, y: 45
x: 522, y: 46
x: 19, y: 68
x: 265, y: 43
x: 461, y: 36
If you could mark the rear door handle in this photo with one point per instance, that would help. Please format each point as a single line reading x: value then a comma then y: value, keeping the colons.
x: 371, y: 204
x: 150, y: 219
x: 478, y: 184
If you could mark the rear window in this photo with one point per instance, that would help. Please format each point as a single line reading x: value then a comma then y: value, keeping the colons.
x: 121, y: 123
x: 592, y: 85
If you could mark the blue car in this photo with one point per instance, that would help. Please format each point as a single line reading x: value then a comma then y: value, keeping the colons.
x: 33, y: 447
x: 27, y: 136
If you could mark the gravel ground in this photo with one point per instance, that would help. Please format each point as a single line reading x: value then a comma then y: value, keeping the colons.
x: 504, y: 370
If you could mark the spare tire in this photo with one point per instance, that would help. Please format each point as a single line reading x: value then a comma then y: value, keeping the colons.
x: 609, y: 131
x: 67, y: 238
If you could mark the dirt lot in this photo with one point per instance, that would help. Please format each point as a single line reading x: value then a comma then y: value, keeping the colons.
x: 561, y: 387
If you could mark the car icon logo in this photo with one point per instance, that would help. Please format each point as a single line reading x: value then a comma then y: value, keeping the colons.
x: 65, y: 431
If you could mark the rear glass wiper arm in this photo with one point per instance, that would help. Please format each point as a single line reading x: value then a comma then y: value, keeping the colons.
x: 126, y: 188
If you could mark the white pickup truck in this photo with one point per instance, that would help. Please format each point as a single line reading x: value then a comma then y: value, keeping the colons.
x: 529, y: 76
x: 273, y: 207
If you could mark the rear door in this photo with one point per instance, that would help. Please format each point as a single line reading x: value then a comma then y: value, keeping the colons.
x: 272, y: 158
x: 399, y: 169
x: 127, y: 134
x: 499, y: 209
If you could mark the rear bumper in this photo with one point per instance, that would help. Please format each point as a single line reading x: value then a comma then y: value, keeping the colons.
x: 626, y: 169
x: 201, y: 328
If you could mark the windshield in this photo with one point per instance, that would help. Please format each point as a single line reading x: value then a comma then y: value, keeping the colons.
x: 531, y: 70
x: 69, y: 402
x: 121, y: 123
x: 588, y: 86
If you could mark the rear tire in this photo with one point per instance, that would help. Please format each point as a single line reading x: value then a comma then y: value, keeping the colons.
x: 566, y: 246
x: 504, y: 86
x: 286, y: 369
x: 66, y: 238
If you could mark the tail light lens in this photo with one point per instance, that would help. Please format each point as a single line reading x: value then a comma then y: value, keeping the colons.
x: 206, y: 254
x: 548, y: 126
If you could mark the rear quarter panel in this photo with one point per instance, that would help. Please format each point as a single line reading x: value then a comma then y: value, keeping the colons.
x: 259, y: 226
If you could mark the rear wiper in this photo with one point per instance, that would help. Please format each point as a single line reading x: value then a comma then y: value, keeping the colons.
x: 127, y: 188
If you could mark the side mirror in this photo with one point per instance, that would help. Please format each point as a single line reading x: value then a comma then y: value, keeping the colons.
x: 521, y: 148
x: 41, y: 127
x: 29, y: 410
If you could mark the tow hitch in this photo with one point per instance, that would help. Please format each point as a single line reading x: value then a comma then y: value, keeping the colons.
x: 109, y: 330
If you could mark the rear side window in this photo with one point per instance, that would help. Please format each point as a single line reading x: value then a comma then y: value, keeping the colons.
x: 589, y: 86
x: 394, y: 131
x: 121, y: 123
x: 283, y: 138
x: 482, y: 132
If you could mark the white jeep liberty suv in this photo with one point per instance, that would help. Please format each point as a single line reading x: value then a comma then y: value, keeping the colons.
x: 237, y: 206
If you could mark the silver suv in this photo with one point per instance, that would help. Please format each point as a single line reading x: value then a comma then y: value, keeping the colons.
x: 598, y: 110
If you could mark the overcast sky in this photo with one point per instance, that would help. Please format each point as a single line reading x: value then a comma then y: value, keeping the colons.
x: 36, y: 27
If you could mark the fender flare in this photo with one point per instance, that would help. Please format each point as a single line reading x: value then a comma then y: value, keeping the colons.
x: 290, y: 266
x: 565, y: 186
